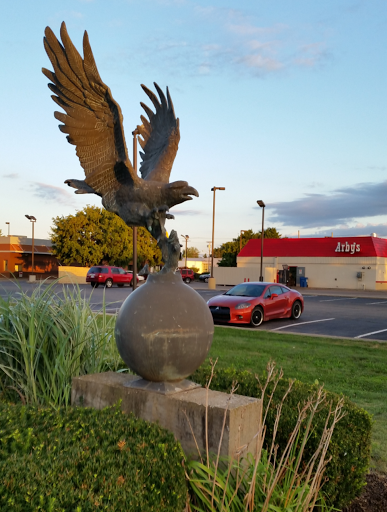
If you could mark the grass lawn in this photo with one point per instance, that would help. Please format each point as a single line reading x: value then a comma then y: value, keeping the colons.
x: 355, y: 368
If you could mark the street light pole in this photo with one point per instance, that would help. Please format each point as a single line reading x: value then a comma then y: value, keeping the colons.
x: 186, y: 241
x: 134, y: 280
x: 214, y: 189
x: 262, y: 205
x: 32, y: 219
x: 9, y: 225
x: 209, y: 252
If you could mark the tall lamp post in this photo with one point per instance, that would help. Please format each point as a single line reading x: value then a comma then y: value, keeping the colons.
x: 209, y: 252
x: 134, y: 280
x: 211, y: 281
x: 9, y: 227
x: 262, y: 205
x: 32, y: 219
x: 186, y: 241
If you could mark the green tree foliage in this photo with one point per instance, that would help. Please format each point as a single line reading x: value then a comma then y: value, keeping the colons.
x: 94, y: 235
x: 228, y: 260
x: 192, y: 252
x: 229, y: 250
x: 1, y: 233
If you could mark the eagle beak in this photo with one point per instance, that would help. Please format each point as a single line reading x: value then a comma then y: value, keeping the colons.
x: 188, y: 192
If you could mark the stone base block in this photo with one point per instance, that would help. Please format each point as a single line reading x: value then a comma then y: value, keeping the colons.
x: 183, y: 413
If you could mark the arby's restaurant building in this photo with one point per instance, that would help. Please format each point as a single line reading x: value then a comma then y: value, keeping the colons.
x: 346, y: 262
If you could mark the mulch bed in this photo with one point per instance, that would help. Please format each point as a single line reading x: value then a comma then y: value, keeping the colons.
x: 374, y: 495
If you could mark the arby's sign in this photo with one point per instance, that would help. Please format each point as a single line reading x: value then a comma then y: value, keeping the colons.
x: 347, y: 247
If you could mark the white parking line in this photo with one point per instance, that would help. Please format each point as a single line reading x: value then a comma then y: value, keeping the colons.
x: 342, y: 298
x: 302, y: 323
x: 370, y: 333
x: 369, y: 303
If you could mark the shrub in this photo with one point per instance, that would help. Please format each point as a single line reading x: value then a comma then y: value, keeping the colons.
x: 80, y: 460
x: 350, y: 445
x: 50, y: 337
x: 266, y: 480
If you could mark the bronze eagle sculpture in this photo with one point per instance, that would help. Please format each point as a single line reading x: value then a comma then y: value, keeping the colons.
x: 93, y: 123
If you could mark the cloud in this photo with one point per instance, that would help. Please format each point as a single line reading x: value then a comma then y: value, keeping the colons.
x: 357, y: 230
x: 186, y: 212
x: 259, y: 62
x: 310, y: 55
x: 342, y: 206
x: 377, y: 168
x: 51, y: 193
x: 232, y: 43
x: 11, y: 176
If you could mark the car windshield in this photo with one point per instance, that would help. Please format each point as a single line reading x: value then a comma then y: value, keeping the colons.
x: 246, y: 290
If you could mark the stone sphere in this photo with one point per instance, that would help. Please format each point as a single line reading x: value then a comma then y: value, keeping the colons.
x: 164, y: 329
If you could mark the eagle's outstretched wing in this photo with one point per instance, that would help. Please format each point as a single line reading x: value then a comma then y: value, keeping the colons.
x: 160, y: 137
x: 93, y: 120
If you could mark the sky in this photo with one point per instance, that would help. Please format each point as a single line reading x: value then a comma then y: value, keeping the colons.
x: 278, y: 100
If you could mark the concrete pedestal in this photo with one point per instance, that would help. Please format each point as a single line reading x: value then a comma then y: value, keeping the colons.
x: 171, y: 409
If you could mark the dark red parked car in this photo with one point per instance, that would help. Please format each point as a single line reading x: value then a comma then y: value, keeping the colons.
x: 187, y: 274
x: 254, y: 303
x: 107, y: 276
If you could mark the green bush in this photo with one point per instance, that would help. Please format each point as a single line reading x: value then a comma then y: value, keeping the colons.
x: 80, y: 460
x: 350, y: 446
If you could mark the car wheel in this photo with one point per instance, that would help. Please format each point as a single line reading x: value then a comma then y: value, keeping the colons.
x: 120, y: 285
x: 206, y: 280
x: 94, y: 285
x: 108, y: 283
x: 296, y: 310
x: 256, y: 317
x: 187, y: 280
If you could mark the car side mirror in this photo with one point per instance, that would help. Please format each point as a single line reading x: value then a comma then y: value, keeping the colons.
x: 274, y: 295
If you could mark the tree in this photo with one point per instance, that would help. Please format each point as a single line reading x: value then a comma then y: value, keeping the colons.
x: 1, y: 233
x: 192, y: 252
x: 228, y: 260
x: 94, y: 235
x: 229, y: 250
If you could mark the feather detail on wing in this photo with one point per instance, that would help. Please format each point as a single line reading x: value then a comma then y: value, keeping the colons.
x: 160, y: 137
x: 93, y: 120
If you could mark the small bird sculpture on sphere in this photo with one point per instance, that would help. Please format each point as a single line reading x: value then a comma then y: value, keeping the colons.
x: 93, y: 123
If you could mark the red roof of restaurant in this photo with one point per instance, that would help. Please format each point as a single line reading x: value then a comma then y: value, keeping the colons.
x: 327, y: 247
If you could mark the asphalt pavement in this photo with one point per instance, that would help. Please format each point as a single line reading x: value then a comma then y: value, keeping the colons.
x: 355, y: 314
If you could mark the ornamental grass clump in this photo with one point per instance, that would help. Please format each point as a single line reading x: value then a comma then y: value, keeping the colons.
x: 268, y: 479
x: 49, y: 337
x: 349, y: 450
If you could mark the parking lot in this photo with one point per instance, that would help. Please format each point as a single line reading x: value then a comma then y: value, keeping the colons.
x: 329, y: 313
x: 342, y: 313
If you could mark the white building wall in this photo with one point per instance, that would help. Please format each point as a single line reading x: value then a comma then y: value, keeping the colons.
x: 321, y: 272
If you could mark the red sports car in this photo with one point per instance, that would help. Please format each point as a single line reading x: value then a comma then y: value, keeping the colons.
x: 254, y: 303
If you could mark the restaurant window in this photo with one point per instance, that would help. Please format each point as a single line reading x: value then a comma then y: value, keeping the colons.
x: 5, y: 266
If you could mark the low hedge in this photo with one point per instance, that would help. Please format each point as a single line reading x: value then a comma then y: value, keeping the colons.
x: 80, y: 460
x: 350, y: 446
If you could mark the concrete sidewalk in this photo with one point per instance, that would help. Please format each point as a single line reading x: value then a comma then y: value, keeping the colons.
x: 337, y: 292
